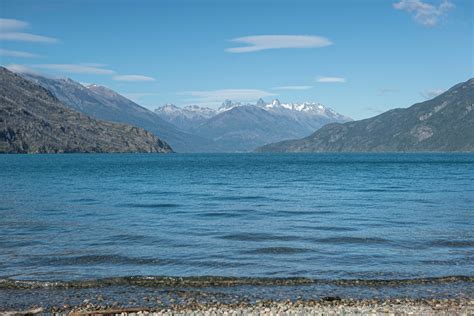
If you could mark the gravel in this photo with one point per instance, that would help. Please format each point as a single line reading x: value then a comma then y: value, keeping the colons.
x: 325, y: 306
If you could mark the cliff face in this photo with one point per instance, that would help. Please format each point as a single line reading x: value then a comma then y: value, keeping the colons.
x: 32, y: 120
x: 445, y: 123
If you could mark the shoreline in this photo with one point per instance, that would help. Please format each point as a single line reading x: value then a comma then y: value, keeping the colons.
x: 327, y: 305
x: 238, y: 296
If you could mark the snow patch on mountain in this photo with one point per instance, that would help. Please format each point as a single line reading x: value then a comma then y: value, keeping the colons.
x: 309, y: 109
x: 239, y: 126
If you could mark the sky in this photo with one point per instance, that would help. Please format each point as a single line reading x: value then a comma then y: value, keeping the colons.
x: 359, y: 57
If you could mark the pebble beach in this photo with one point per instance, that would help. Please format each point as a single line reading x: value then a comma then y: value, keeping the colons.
x: 326, y: 306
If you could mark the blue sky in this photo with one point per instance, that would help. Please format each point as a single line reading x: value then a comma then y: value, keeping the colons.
x: 358, y: 57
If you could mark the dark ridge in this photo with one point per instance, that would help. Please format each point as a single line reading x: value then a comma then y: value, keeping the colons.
x: 33, y: 120
x: 442, y: 124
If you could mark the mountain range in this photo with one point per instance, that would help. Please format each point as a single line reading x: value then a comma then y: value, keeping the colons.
x: 243, y: 127
x: 105, y: 104
x: 33, y: 120
x: 442, y: 124
x: 233, y: 127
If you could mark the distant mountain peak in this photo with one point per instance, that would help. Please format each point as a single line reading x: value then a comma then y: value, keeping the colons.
x: 227, y: 102
x: 228, y: 105
x: 170, y: 107
x: 184, y: 117
x: 261, y: 102
x: 276, y: 102
x: 199, y: 109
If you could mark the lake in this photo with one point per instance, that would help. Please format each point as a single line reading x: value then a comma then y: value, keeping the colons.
x: 321, y: 217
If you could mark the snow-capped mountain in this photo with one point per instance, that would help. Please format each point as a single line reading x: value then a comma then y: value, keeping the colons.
x: 228, y: 105
x: 311, y: 115
x: 242, y: 127
x: 310, y: 108
x: 187, y: 117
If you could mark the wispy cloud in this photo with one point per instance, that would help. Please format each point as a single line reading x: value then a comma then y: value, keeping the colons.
x: 292, y: 88
x: 331, y: 79
x: 22, y: 69
x: 12, y: 24
x: 217, y: 96
x: 423, y: 12
x: 430, y: 94
x: 262, y: 42
x: 76, y: 69
x: 98, y: 65
x: 133, y: 78
x: 26, y: 37
x: 10, y: 31
x: 82, y: 68
x: 17, y: 53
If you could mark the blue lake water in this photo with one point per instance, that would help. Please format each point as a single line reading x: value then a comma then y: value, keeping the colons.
x: 320, y: 216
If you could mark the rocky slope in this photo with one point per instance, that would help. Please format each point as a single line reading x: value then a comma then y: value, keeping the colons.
x: 445, y: 123
x: 33, y: 120
x: 105, y: 104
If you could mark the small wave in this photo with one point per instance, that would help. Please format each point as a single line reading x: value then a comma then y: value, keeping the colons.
x: 53, y: 211
x: 352, y: 240
x: 219, y: 281
x: 452, y: 243
x: 135, y: 238
x: 303, y: 212
x: 258, y: 237
x: 449, y: 262
x: 101, y: 260
x: 153, y: 192
x: 372, y: 190
x: 83, y: 200
x: 12, y: 243
x: 228, y: 214
x: 276, y: 250
x: 150, y: 205
x: 329, y: 228
x: 400, y: 223
x: 240, y: 198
